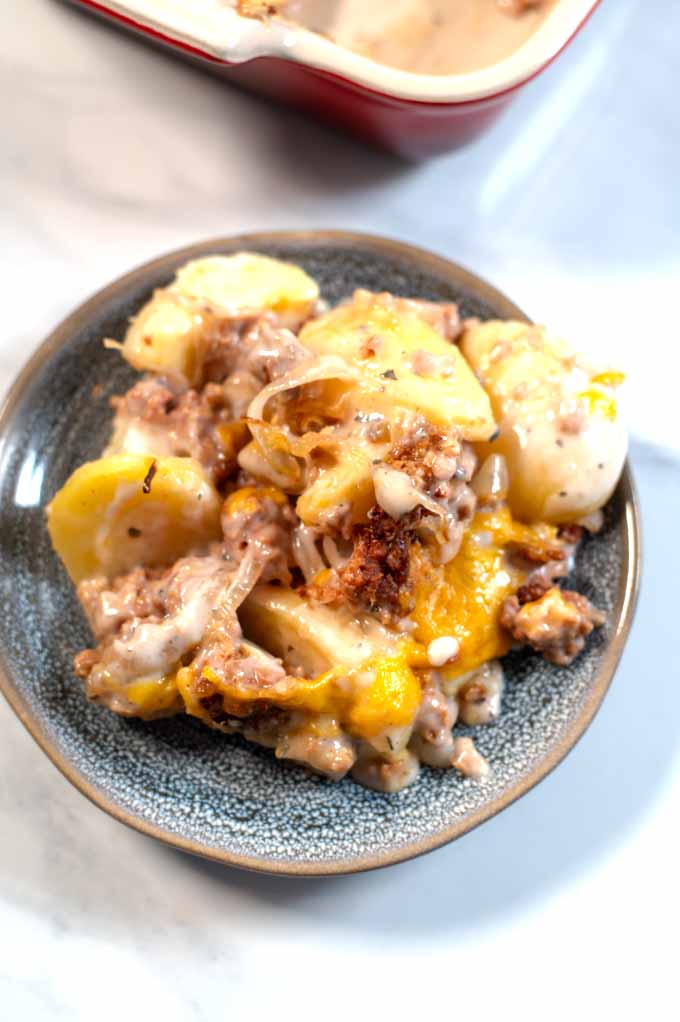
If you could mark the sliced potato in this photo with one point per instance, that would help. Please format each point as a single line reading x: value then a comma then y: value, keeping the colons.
x: 308, y: 636
x: 130, y: 509
x: 560, y: 430
x: 348, y: 484
x: 168, y: 336
x: 248, y: 281
x: 404, y: 365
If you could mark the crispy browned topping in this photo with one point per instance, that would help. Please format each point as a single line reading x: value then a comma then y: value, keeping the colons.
x: 377, y: 573
x: 421, y: 453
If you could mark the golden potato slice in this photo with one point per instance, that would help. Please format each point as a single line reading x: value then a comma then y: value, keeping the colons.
x: 170, y: 332
x: 248, y: 281
x: 348, y: 485
x: 310, y: 636
x: 560, y: 431
x: 168, y: 336
x: 404, y: 365
x: 129, y: 509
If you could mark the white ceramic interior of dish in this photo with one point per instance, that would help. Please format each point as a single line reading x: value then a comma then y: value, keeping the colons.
x: 214, y: 27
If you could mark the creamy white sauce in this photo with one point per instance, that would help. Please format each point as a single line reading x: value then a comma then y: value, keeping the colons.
x: 130, y: 436
x: 154, y: 648
x: 395, y: 491
x: 468, y: 760
x: 397, y: 494
x: 125, y: 492
x: 392, y: 742
x: 443, y: 650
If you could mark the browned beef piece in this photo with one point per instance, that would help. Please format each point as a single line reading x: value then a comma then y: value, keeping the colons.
x: 427, y: 454
x: 555, y: 564
x: 556, y: 625
x: 377, y: 571
x: 108, y: 605
x: 143, y: 596
x: 441, y: 466
x: 432, y: 738
x: 158, y: 416
x: 84, y: 661
x: 540, y: 581
x: 253, y: 345
x: 196, y: 424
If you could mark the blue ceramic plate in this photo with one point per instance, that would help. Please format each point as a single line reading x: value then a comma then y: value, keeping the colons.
x: 201, y: 790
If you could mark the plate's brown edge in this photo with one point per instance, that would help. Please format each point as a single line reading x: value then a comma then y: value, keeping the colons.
x: 625, y: 496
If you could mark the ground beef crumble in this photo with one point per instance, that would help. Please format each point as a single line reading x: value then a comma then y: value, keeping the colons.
x: 556, y: 625
x: 427, y: 455
x: 109, y: 605
x: 377, y: 572
x: 159, y: 415
x: 197, y: 424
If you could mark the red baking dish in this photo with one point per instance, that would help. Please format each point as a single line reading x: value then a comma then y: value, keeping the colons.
x: 415, y: 115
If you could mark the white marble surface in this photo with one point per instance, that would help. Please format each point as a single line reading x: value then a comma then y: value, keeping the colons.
x: 566, y: 905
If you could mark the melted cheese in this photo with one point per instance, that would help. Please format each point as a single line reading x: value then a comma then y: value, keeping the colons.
x: 155, y: 647
x: 463, y: 598
x: 382, y: 693
x: 154, y: 697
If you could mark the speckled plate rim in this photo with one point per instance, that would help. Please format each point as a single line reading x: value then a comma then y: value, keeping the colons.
x: 626, y: 597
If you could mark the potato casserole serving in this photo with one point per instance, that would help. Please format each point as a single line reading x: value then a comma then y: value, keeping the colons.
x: 322, y: 528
